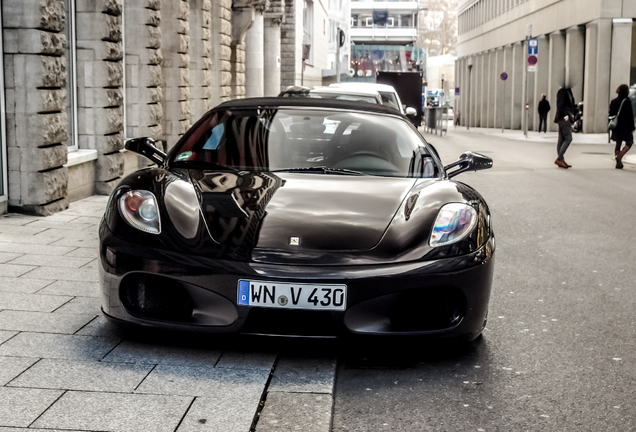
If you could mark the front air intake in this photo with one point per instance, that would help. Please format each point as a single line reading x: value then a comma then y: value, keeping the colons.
x: 155, y: 297
x: 428, y: 309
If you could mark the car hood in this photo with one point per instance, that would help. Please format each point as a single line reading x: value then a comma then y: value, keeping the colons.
x: 251, y: 212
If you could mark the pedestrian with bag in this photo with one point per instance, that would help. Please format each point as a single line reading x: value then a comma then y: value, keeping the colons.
x: 543, y: 108
x: 565, y: 112
x: 621, y: 123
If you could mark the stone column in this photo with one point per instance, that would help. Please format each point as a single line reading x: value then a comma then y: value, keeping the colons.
x: 603, y: 59
x: 516, y: 85
x: 242, y: 19
x: 254, y: 53
x: 472, y: 96
x: 219, y: 24
x: 492, y: 92
x: 472, y: 88
x: 556, y: 74
x: 100, y: 80
x: 483, y: 89
x: 144, y: 95
x: 589, y: 89
x: 36, y: 98
x: 507, y: 86
x: 459, y: 83
x: 621, y: 58
x: 274, y: 17
x: 575, y: 60
x: 176, y: 69
x: 200, y: 51
x: 499, y: 87
x: 541, y: 80
x: 288, y: 52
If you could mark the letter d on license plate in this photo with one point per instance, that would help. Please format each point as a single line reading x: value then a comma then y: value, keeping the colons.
x: 284, y: 295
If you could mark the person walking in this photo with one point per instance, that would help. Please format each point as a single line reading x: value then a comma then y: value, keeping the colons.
x: 623, y: 132
x: 566, y: 109
x: 543, y: 108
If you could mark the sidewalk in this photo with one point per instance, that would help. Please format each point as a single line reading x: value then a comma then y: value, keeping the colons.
x: 547, y: 137
x: 64, y: 367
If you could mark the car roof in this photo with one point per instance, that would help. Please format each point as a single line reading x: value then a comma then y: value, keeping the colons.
x: 369, y: 85
x: 280, y: 102
x: 352, y: 91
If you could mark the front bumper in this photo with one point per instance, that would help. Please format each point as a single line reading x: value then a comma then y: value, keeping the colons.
x: 162, y: 289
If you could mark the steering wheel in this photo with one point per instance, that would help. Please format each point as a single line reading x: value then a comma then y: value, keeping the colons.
x: 366, y: 161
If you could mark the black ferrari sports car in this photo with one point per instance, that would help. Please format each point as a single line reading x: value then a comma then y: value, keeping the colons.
x: 293, y: 216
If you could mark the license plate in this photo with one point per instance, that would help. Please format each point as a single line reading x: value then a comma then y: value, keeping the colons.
x: 285, y: 295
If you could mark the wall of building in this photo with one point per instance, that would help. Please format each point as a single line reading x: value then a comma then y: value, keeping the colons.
x: 440, y: 74
x: 82, y: 76
x: 313, y: 71
x: 35, y: 90
x: 584, y: 45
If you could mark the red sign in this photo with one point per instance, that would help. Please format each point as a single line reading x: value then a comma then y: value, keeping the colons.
x: 532, y: 60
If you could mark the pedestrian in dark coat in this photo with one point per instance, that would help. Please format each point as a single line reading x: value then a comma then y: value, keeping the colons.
x: 625, y: 126
x: 566, y: 109
x: 543, y: 108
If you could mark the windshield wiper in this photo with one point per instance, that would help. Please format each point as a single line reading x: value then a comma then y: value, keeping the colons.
x: 321, y: 169
x: 204, y: 165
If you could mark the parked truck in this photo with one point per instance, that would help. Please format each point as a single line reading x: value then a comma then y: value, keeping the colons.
x: 409, y: 87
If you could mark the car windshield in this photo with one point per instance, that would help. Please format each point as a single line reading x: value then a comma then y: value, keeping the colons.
x: 389, y: 99
x: 305, y: 140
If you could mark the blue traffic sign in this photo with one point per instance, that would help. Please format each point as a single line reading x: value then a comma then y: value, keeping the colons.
x: 503, y: 76
x: 533, y: 46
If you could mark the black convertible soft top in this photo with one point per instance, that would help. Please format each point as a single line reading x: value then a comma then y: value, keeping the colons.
x: 310, y: 103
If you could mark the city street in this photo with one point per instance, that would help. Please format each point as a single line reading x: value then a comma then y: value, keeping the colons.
x: 558, y: 353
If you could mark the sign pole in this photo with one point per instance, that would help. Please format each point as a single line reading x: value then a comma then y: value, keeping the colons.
x: 533, y: 52
x: 504, y: 77
x: 503, y: 100
x: 528, y: 36
x: 525, y: 125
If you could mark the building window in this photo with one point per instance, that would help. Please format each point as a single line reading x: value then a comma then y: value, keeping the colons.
x: 308, y: 28
x: 406, y: 21
x: 71, y: 81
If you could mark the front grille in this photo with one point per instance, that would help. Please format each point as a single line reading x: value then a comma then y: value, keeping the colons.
x: 155, y: 297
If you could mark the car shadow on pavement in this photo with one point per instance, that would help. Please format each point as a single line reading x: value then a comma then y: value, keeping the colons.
x: 352, y: 352
x: 399, y: 353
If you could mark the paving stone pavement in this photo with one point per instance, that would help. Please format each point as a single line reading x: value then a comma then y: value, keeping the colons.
x: 63, y: 366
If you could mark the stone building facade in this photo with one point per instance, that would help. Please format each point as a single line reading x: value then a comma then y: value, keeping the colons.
x: 82, y: 76
x: 587, y: 45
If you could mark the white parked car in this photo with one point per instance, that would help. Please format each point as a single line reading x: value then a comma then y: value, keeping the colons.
x: 387, y: 92
x: 355, y: 94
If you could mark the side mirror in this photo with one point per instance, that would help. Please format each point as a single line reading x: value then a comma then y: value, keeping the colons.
x: 469, y: 161
x: 410, y: 111
x: 146, y: 147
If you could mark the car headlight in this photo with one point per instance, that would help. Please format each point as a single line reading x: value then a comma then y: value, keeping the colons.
x: 139, y: 208
x: 454, y: 222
